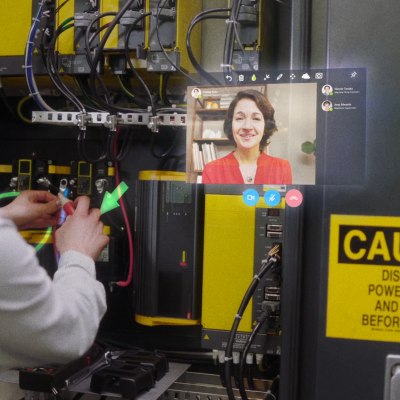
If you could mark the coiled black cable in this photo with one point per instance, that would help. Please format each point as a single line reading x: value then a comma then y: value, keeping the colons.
x: 166, y: 153
x: 106, y: 137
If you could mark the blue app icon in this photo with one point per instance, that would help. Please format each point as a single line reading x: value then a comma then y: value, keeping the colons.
x: 272, y: 197
x: 251, y: 197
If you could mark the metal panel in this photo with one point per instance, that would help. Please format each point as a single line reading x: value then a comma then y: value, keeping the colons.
x: 350, y: 34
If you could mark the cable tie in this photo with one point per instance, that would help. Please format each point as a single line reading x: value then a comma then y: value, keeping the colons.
x: 230, y: 21
x: 27, y: 66
x: 257, y: 277
x: 238, y: 316
x: 228, y: 358
x: 35, y: 19
x: 29, y: 42
x: 34, y: 94
x: 226, y: 65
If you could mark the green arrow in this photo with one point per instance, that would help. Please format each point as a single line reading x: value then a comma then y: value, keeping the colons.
x: 9, y: 194
x: 110, y: 201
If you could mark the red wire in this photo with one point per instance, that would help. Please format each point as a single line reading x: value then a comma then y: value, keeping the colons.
x: 128, y: 229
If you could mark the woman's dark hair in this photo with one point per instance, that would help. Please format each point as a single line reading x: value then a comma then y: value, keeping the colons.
x: 326, y: 102
x: 263, y: 105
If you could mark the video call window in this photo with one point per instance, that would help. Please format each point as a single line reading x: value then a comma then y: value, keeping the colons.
x: 285, y: 127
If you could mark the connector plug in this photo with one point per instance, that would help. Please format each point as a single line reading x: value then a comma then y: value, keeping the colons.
x: 274, y: 306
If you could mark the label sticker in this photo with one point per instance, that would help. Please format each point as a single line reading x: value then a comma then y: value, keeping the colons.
x: 364, y: 278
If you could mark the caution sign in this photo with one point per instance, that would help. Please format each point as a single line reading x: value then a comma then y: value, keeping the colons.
x: 364, y: 278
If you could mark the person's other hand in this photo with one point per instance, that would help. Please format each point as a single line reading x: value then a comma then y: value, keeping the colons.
x: 82, y: 231
x: 32, y: 209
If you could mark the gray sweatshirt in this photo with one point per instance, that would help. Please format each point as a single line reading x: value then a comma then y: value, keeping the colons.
x: 44, y: 320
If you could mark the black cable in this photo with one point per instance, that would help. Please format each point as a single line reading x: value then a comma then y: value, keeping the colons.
x: 263, y: 317
x: 163, y: 94
x: 198, y: 18
x: 82, y: 150
x: 55, y: 75
x: 128, y: 58
x: 126, y: 144
x: 92, y: 66
x: 139, y: 100
x: 266, y: 267
x: 250, y: 380
x: 84, y: 87
x: 236, y: 375
x: 103, y: 398
x: 92, y: 106
x: 222, y: 374
x: 99, y: 52
x: 193, y: 81
x: 167, y: 152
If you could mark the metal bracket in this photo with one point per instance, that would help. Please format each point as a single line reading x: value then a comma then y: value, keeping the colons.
x: 112, y: 122
x: 82, y: 120
x: 153, y: 124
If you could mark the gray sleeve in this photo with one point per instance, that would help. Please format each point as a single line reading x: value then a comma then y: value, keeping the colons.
x: 43, y: 320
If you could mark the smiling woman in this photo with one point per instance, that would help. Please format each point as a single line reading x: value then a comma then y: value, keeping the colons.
x: 250, y: 123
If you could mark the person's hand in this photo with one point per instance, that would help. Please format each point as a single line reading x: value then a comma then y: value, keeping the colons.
x: 32, y: 209
x: 82, y: 231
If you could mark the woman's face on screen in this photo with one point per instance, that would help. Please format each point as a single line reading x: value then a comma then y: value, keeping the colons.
x: 248, y: 124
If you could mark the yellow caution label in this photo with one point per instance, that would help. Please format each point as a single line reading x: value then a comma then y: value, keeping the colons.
x: 150, y: 68
x: 153, y: 42
x: 206, y: 337
x: 78, y: 45
x: 62, y: 70
x: 35, y: 51
x: 364, y: 278
x: 61, y: 170
x: 111, y: 171
x: 5, y: 168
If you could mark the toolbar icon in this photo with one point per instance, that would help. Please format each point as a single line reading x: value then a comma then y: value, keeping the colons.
x: 319, y: 75
x: 251, y: 197
x: 353, y: 75
x: 306, y: 76
x: 228, y: 78
x: 266, y: 77
x: 241, y: 78
x: 279, y: 77
x: 292, y: 76
x: 272, y: 197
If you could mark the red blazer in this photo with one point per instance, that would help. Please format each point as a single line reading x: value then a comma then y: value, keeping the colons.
x: 270, y: 170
